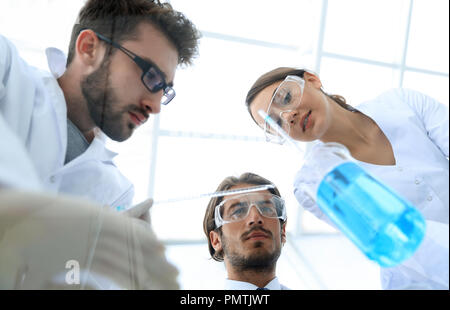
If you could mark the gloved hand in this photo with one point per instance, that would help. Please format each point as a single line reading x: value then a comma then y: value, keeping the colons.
x: 141, y: 210
x: 41, y: 233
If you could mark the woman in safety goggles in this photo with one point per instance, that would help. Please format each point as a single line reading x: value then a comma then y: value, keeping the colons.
x: 401, y: 137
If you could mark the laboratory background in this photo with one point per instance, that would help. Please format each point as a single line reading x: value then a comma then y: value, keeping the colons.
x: 359, y: 48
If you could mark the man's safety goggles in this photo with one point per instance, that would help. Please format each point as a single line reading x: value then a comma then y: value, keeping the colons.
x: 237, y: 208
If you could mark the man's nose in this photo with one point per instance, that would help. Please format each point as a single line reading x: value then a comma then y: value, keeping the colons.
x: 254, y: 216
x: 151, y: 104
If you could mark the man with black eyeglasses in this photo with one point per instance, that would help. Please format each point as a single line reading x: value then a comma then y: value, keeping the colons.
x: 120, y: 68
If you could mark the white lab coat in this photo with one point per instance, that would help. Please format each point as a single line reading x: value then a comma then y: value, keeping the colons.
x: 417, y: 127
x: 33, y: 136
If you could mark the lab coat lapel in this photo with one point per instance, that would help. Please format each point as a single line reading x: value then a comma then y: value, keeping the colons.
x: 60, y: 113
x: 96, y: 151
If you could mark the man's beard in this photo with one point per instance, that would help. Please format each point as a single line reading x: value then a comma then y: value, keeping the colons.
x: 101, y: 99
x: 257, y: 262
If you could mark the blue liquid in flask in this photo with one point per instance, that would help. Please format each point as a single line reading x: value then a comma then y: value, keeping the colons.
x: 385, y: 227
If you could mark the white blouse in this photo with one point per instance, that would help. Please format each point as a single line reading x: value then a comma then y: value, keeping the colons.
x: 417, y: 127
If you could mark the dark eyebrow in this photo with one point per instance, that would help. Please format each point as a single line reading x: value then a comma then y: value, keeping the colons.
x: 265, y: 201
x: 236, y: 204
x: 151, y: 62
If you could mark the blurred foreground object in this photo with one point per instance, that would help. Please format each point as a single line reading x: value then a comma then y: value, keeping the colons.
x: 60, y: 242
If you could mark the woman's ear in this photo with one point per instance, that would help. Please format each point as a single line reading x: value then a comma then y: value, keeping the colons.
x: 313, y: 79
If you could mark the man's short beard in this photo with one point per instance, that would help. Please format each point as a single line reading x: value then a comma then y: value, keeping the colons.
x: 258, y: 262
x: 100, y: 99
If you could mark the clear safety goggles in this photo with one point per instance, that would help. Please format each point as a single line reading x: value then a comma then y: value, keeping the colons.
x: 237, y: 208
x: 285, y: 99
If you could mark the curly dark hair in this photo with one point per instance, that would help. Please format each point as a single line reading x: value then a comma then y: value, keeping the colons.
x: 119, y: 19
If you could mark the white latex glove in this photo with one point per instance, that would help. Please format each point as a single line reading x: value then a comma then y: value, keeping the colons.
x: 141, y: 210
x: 40, y: 234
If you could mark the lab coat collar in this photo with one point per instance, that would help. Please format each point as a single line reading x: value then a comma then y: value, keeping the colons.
x: 106, y: 155
x: 97, y: 150
x: 240, y: 285
x: 57, y: 61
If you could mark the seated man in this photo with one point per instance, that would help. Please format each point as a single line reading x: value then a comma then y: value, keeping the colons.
x: 247, y: 232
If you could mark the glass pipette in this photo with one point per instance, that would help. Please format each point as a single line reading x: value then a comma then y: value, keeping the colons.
x: 219, y: 193
x: 141, y: 205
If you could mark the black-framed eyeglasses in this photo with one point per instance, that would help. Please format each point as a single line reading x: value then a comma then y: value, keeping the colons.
x: 152, y: 77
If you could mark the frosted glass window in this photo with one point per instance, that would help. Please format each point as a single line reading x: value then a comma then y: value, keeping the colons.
x: 311, y: 224
x: 432, y: 85
x: 370, y: 29
x: 337, y: 263
x: 197, y: 270
x: 23, y: 20
x: 428, y: 41
x: 284, y: 22
x: 35, y: 25
x: 211, y: 95
x: 356, y: 82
